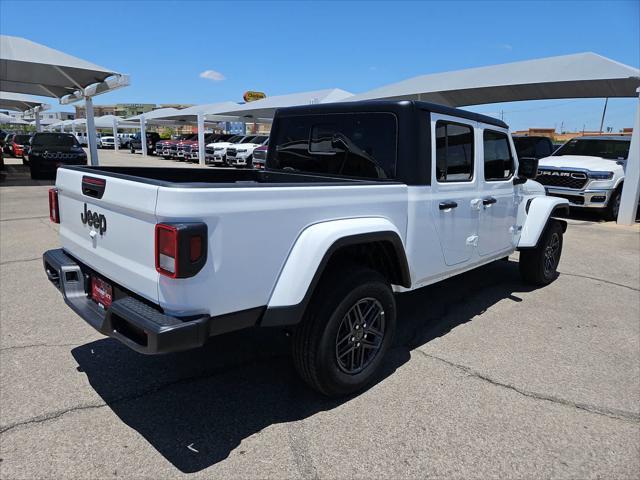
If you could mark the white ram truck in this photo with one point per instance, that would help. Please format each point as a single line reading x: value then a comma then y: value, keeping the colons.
x: 358, y: 201
x: 589, y: 172
x: 241, y: 155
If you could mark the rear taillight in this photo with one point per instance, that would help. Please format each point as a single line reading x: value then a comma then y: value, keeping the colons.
x: 54, y: 209
x: 181, y: 249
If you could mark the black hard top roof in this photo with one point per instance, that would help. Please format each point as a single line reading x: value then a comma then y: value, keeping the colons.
x: 388, y: 105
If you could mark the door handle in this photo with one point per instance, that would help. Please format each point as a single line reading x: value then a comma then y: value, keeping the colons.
x: 488, y: 201
x: 449, y: 204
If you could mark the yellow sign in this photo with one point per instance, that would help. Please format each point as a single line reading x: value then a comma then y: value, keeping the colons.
x: 251, y: 96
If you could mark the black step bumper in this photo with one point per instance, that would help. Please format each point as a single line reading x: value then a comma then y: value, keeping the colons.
x: 131, y: 321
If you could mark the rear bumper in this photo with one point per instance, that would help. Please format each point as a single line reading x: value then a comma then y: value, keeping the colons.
x: 138, y: 325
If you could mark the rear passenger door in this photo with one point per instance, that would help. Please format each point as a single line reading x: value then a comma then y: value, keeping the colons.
x: 497, y: 217
x: 454, y: 187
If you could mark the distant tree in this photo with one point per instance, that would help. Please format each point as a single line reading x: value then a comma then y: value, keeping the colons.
x: 167, y: 132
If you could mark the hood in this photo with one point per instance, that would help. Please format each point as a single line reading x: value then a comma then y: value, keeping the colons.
x: 579, y: 161
x: 220, y: 144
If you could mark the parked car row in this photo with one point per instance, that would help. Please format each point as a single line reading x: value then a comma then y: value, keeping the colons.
x: 236, y: 151
x: 221, y: 149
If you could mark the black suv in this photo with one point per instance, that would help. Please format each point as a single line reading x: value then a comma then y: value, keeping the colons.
x: 48, y: 151
x: 152, y: 139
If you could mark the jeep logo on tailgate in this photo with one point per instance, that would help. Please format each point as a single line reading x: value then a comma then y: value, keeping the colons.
x: 93, y: 219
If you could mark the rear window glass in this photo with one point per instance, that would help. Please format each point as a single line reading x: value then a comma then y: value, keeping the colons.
x: 54, y: 140
x: 362, y: 145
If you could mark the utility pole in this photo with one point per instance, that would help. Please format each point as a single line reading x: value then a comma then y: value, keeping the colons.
x: 604, y: 111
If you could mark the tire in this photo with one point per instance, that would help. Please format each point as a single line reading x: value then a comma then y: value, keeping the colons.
x: 35, y: 174
x: 539, y: 266
x: 613, y: 207
x: 319, y: 341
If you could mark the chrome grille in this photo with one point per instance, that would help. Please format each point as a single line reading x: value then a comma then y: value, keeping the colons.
x: 562, y: 178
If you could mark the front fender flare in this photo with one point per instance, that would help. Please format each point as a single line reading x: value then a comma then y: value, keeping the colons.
x: 539, y: 212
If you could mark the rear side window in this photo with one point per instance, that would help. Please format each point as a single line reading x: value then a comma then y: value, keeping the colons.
x: 498, y: 161
x: 362, y: 145
x: 454, y: 152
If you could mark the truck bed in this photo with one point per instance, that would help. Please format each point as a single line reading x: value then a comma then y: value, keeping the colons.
x: 212, y: 177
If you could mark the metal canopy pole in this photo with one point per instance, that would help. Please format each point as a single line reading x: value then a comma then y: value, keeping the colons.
x: 143, y: 135
x: 91, y: 132
x: 115, y: 134
x: 631, y: 186
x: 201, y: 139
x: 36, y: 112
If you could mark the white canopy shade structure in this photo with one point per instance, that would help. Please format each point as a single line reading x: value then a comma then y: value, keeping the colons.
x: 24, y: 103
x: 266, y: 108
x: 582, y: 75
x: 153, y: 115
x: 198, y: 114
x: 20, y: 102
x: 9, y: 120
x: 30, y: 68
x: 106, y: 121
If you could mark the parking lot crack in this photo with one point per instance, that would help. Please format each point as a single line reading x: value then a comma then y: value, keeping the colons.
x: 50, y: 416
x: 597, y: 279
x: 595, y: 409
x: 7, y: 262
x: 36, y: 345
x: 22, y: 218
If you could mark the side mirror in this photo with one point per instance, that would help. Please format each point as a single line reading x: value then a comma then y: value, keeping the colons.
x: 527, y: 170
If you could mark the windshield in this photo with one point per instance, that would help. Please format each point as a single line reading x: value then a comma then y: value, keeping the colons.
x: 21, y: 139
x: 610, y: 149
x: 248, y: 139
x: 55, y: 140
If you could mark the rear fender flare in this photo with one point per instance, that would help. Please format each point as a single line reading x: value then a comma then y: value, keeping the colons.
x: 311, y: 253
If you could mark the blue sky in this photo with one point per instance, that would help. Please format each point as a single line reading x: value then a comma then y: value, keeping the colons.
x: 285, y: 47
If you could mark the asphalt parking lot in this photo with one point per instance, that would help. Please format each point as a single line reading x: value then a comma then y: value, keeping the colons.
x: 488, y: 378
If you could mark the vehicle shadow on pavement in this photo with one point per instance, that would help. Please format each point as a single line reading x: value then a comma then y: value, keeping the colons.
x: 196, y: 407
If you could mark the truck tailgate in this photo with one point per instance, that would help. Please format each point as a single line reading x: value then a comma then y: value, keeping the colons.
x: 123, y: 252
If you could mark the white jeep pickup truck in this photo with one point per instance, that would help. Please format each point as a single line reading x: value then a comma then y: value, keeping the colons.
x: 358, y: 201
x: 589, y: 172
